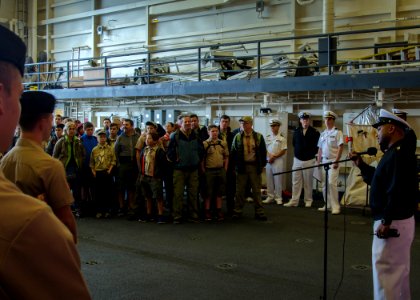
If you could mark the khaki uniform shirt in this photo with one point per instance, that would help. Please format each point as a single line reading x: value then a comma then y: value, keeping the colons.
x: 36, y: 173
x: 141, y: 143
x: 149, y: 160
x: 215, y: 153
x: 38, y: 257
x: 249, y: 148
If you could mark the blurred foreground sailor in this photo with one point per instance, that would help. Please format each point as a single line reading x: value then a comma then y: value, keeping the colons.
x: 393, y: 200
x: 38, y: 257
x: 34, y: 171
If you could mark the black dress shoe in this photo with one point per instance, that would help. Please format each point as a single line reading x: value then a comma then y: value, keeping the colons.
x: 260, y: 218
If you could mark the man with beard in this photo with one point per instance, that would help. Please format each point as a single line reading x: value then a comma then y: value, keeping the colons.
x: 393, y: 200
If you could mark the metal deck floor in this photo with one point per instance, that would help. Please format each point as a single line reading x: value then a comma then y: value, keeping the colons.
x: 245, y: 259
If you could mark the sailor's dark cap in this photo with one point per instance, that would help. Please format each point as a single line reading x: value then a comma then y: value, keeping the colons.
x: 12, y: 49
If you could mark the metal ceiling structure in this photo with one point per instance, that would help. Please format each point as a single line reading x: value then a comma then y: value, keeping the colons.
x: 392, y: 74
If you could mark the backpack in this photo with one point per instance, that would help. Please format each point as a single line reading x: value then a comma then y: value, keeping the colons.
x: 219, y: 143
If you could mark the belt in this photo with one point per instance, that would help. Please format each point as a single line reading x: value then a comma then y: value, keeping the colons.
x: 125, y: 159
x: 214, y: 169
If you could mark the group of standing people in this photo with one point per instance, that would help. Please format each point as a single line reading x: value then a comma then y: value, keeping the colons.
x: 35, y: 199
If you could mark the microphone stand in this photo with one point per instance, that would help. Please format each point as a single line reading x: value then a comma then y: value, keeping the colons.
x: 326, y: 168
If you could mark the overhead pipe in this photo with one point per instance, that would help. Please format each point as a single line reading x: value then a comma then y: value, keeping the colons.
x: 328, y: 16
x: 176, y: 6
x: 305, y: 2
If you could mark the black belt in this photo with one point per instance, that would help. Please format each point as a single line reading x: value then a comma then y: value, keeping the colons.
x: 125, y: 159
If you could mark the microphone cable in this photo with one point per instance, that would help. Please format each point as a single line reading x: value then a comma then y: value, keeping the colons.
x: 344, y: 234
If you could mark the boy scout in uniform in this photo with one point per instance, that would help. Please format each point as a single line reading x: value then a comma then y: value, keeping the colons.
x: 214, y: 167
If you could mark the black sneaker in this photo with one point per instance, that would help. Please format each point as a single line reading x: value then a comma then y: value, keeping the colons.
x: 194, y: 220
x: 142, y: 219
x: 236, y: 216
x: 161, y: 220
x: 207, y: 216
x: 121, y: 212
x: 132, y: 217
x: 177, y: 221
x: 260, y: 218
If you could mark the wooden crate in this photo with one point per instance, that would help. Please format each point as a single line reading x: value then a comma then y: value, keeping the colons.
x: 95, y: 76
x: 76, y: 82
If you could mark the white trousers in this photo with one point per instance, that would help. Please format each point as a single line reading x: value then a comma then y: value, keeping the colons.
x: 332, y: 198
x: 274, y: 183
x: 391, y: 262
x: 302, y: 178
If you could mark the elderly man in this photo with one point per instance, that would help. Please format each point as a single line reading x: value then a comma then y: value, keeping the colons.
x: 330, y: 146
x: 305, y: 143
x: 249, y: 154
x: 38, y: 257
x: 393, y: 200
x: 27, y: 165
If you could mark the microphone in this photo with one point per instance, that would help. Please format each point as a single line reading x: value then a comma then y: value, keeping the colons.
x: 370, y: 151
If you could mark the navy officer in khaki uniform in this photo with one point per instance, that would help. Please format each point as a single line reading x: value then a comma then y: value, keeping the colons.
x: 30, y: 167
x: 38, y: 257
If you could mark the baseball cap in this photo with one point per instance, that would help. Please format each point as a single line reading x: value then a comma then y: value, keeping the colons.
x: 246, y: 119
x: 151, y: 123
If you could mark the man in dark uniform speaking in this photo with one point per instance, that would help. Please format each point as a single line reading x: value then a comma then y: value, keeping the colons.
x: 393, y: 198
x: 38, y: 257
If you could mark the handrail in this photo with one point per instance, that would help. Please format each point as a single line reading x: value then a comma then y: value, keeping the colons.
x: 148, y: 67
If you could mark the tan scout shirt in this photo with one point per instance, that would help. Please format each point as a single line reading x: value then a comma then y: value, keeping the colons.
x: 36, y: 173
x: 249, y: 148
x: 38, y: 257
x: 141, y: 142
x: 102, y: 157
x: 215, y: 153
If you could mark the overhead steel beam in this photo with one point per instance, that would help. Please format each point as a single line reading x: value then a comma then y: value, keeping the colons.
x: 392, y: 80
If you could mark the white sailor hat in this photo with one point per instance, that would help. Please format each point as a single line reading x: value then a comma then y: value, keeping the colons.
x: 398, y: 112
x: 274, y: 122
x: 304, y: 115
x: 385, y: 117
x: 330, y: 114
